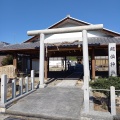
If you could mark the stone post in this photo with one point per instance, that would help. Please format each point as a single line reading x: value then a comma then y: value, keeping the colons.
x: 13, y: 88
x: 32, y: 79
x: 3, y: 89
x: 26, y: 84
x: 113, y: 104
x: 21, y: 86
x: 112, y: 59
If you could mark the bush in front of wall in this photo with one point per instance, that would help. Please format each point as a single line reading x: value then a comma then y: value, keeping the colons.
x: 105, y: 83
x: 8, y: 60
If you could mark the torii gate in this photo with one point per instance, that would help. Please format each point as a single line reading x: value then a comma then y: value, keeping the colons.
x: 84, y: 30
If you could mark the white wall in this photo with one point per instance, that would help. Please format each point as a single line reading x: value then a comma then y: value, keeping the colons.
x: 55, y: 63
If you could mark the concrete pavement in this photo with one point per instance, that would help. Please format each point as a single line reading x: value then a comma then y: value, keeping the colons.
x: 67, y: 83
x: 53, y: 103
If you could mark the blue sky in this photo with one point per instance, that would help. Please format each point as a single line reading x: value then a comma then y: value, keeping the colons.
x: 19, y: 16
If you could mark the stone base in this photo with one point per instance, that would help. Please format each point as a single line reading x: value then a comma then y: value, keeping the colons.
x: 45, y: 80
x: 42, y: 86
x: 2, y: 110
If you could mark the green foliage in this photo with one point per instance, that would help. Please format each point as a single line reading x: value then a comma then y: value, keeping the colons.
x: 72, y: 58
x: 8, y: 60
x: 105, y: 83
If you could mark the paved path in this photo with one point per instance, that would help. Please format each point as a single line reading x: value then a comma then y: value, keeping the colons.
x: 74, y: 76
x: 70, y: 80
x: 67, y: 83
x: 55, y: 103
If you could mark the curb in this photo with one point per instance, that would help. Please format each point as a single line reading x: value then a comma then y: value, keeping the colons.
x: 37, y: 116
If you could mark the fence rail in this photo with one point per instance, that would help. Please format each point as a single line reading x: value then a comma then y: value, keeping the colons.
x: 117, y: 90
x: 99, y: 89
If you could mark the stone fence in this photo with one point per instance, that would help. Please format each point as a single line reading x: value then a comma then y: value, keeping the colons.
x: 27, y: 90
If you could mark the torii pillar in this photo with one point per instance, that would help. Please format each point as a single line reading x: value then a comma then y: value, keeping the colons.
x: 84, y: 30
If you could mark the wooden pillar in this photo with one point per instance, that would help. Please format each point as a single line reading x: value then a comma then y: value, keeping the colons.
x: 117, y: 65
x: 93, y: 64
x: 15, y: 60
x: 22, y: 66
x: 45, y: 68
x: 15, y: 63
x: 48, y: 64
x: 30, y: 63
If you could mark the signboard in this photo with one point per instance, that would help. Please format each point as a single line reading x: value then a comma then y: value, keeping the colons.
x: 112, y: 59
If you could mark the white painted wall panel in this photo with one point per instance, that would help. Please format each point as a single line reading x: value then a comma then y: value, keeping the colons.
x: 55, y: 63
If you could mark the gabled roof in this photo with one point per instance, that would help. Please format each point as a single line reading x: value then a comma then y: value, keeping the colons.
x: 75, y: 21
x: 68, y: 19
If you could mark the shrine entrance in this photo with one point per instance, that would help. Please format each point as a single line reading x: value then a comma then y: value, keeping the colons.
x: 84, y: 30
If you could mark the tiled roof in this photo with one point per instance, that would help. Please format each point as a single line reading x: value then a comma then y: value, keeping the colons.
x: 35, y: 45
x: 20, y: 46
x: 104, y: 40
x: 3, y: 44
x: 98, y: 40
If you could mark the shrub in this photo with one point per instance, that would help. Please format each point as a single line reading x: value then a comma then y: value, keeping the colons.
x: 105, y: 83
x: 8, y: 60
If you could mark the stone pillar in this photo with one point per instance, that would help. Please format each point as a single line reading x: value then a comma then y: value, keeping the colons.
x: 86, y: 71
x: 32, y: 79
x: 41, y: 61
x: 13, y: 88
x: 112, y: 59
x: 20, y: 86
x: 3, y: 89
x: 26, y: 84
x: 112, y: 98
x: 93, y: 64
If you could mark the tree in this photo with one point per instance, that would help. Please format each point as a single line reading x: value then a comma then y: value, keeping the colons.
x: 8, y: 60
